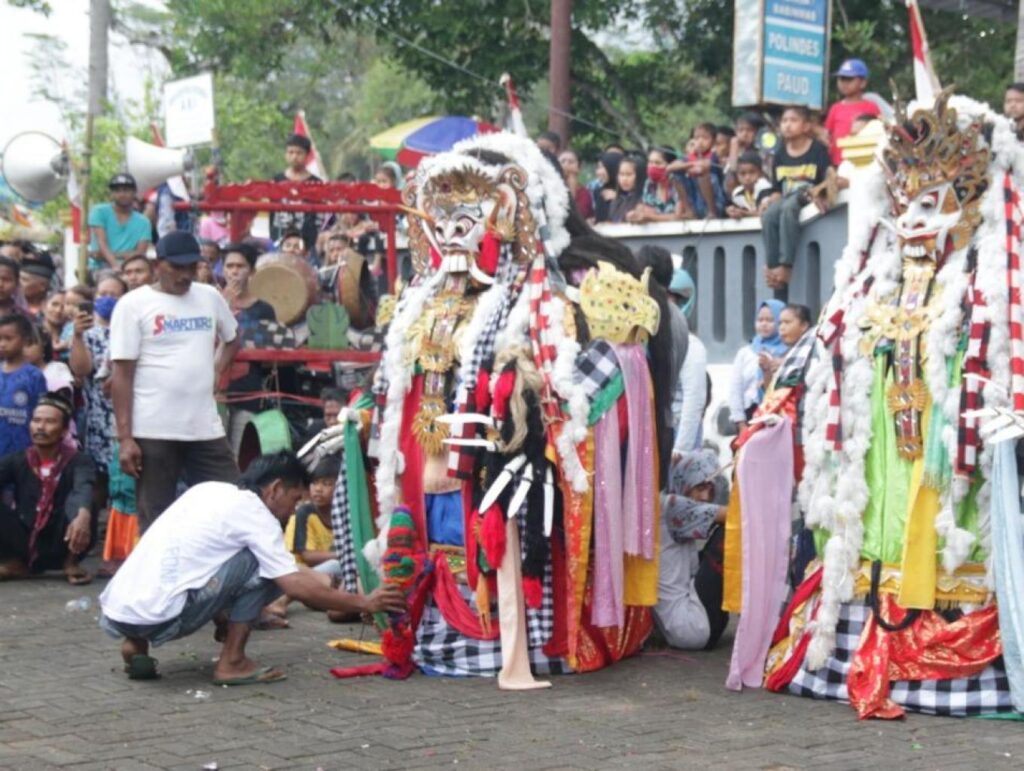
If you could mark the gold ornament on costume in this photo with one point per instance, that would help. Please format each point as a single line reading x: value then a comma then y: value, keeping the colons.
x: 617, y: 306
x: 929, y: 153
x: 428, y: 432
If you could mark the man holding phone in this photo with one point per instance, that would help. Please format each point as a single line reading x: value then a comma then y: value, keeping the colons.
x: 166, y: 360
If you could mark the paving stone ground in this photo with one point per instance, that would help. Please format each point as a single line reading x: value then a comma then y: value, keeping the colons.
x: 64, y: 703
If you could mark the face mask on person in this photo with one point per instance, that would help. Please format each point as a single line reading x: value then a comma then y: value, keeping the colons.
x: 656, y: 174
x: 105, y: 307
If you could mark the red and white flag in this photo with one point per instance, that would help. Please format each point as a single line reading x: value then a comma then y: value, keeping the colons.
x: 926, y: 84
x: 313, y: 159
x: 515, y: 122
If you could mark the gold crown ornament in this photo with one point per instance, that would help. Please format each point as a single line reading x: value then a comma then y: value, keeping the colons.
x: 930, y: 154
x: 617, y: 306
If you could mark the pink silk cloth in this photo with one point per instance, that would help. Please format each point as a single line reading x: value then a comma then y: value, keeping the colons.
x: 765, y: 477
x: 607, y: 608
x: 638, y: 494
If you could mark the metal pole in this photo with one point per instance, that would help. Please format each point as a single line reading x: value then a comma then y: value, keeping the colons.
x: 558, y: 68
x: 1018, y: 57
x: 99, y: 28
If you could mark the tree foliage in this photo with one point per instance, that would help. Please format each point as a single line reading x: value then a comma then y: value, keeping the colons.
x: 643, y: 71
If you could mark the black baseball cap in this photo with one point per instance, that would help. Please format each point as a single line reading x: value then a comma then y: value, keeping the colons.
x: 122, y: 179
x: 179, y: 248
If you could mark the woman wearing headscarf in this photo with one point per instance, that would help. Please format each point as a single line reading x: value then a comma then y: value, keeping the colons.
x: 663, y: 198
x: 629, y: 188
x: 751, y: 363
x: 608, y: 167
x: 689, y: 612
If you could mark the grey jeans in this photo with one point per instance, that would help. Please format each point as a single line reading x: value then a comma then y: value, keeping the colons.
x: 236, y: 587
x: 780, y: 226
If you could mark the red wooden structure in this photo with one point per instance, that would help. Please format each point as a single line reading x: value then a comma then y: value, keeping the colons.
x: 243, y: 201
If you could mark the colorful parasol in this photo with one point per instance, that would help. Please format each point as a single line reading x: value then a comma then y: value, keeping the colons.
x: 409, y: 142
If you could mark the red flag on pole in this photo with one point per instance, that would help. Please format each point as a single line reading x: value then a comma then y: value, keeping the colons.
x: 926, y: 84
x: 313, y: 159
x: 515, y: 115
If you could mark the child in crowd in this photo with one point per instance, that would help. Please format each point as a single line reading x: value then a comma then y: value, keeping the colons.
x: 701, y: 173
x: 308, y: 535
x: 801, y: 162
x: 851, y: 82
x: 723, y: 142
x: 21, y: 384
x: 39, y: 353
x: 752, y: 187
x: 753, y: 364
x: 689, y: 611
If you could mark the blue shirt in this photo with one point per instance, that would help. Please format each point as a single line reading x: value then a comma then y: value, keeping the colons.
x: 121, y: 236
x: 19, y: 392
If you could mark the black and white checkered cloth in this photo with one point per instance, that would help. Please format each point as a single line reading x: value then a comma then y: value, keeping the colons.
x: 341, y: 523
x: 981, y: 694
x: 596, y: 365
x: 443, y: 650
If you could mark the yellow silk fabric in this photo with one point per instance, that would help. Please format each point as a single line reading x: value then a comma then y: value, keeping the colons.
x: 732, y: 589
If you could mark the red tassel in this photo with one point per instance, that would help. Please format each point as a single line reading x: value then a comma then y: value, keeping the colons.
x: 396, y: 643
x: 490, y: 249
x: 483, y: 391
x: 502, y: 392
x: 492, y: 535
x: 533, y: 592
x: 435, y: 258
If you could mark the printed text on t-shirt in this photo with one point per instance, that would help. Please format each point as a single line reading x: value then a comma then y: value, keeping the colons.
x: 170, y: 324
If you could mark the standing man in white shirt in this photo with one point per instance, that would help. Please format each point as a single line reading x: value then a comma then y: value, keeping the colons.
x: 164, y: 347
x: 218, y: 554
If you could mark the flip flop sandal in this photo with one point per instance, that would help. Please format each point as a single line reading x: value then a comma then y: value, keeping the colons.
x: 141, y: 667
x: 259, y: 677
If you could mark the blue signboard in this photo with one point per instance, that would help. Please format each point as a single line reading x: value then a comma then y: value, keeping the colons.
x: 795, y: 49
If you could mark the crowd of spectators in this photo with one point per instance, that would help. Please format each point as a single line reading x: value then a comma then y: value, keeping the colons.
x: 108, y: 389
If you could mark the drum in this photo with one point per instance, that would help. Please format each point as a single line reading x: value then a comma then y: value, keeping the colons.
x: 267, y: 432
x: 353, y: 275
x: 288, y: 283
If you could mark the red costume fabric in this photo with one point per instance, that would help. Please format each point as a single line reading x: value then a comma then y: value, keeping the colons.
x: 930, y: 648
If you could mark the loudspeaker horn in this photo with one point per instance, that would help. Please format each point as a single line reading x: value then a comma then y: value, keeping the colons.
x: 35, y: 165
x: 152, y: 165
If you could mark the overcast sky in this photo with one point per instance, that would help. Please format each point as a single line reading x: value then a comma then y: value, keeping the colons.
x: 68, y: 22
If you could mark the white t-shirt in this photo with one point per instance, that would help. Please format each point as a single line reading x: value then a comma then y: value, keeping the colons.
x: 187, y: 545
x: 172, y: 338
x: 743, y: 200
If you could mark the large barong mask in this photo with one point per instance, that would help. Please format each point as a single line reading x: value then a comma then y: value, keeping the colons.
x: 472, y: 218
x: 936, y: 175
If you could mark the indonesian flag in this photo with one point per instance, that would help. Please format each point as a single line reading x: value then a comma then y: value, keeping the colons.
x: 515, y: 115
x: 926, y: 84
x: 313, y: 159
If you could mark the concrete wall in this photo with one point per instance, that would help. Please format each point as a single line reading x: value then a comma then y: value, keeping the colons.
x: 726, y: 260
